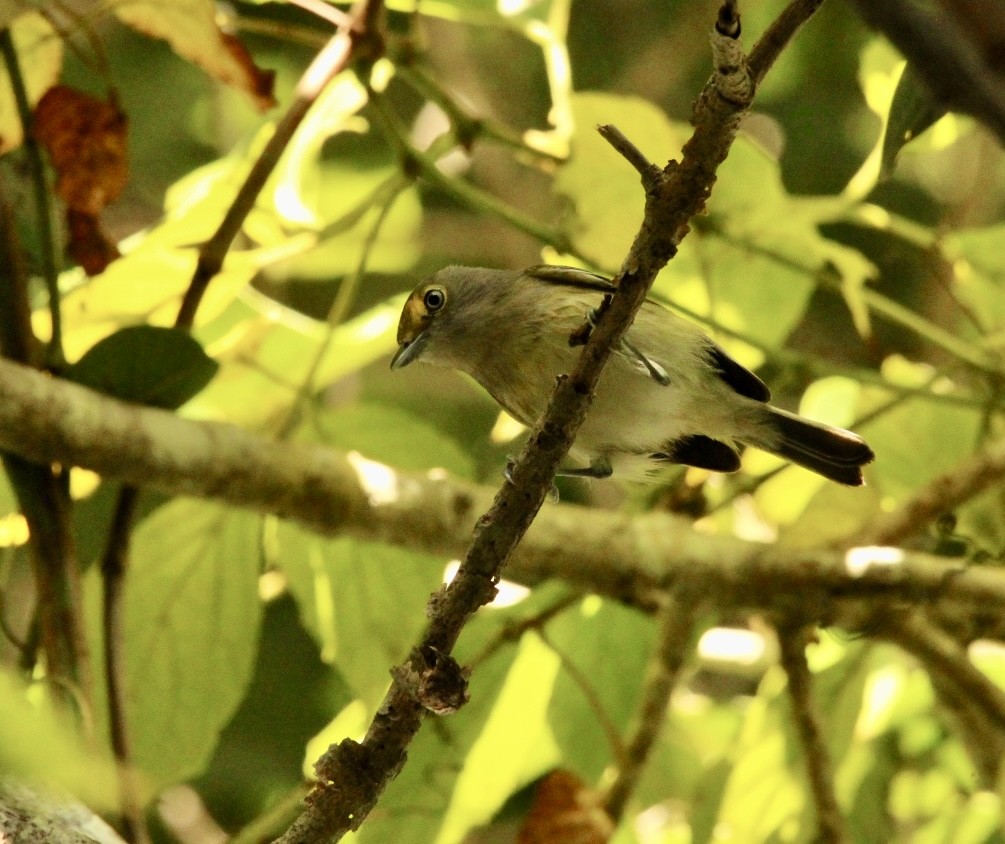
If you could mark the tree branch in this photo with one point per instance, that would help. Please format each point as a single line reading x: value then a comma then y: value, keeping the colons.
x: 677, y: 619
x: 634, y: 559
x: 792, y: 639
x: 356, y: 36
x: 943, y: 656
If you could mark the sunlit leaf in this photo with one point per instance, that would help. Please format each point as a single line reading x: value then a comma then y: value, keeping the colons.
x: 504, y: 759
x: 912, y: 111
x: 603, y: 191
x: 192, y: 616
x: 40, y: 57
x: 39, y: 745
x: 266, y: 354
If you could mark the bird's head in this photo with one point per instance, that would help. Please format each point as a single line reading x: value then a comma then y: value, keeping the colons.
x: 417, y: 324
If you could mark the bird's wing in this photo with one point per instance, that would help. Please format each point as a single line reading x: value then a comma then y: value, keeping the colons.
x: 741, y: 379
x: 571, y: 277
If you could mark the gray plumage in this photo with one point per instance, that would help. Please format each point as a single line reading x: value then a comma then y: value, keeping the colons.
x: 669, y: 394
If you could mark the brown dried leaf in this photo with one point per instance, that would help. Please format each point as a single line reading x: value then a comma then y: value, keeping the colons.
x: 88, y: 245
x: 190, y: 27
x: 86, y: 140
x: 565, y: 811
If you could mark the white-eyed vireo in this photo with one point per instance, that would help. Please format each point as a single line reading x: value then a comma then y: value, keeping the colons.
x: 668, y: 394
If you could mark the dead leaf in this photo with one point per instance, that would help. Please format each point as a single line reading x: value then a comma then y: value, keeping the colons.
x: 86, y: 141
x: 565, y: 811
x: 88, y: 245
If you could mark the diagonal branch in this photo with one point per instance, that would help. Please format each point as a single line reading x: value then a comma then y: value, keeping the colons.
x: 351, y: 776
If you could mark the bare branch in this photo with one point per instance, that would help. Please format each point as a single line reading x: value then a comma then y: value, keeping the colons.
x: 792, y: 639
x: 355, y: 35
x: 676, y: 619
x: 942, y: 655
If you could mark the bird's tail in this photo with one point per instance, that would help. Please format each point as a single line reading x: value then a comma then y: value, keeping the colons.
x: 832, y: 452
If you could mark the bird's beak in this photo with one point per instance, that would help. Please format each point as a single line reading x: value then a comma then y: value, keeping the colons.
x: 409, y: 350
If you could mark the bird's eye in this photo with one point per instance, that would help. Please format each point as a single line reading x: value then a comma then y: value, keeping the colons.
x: 434, y: 299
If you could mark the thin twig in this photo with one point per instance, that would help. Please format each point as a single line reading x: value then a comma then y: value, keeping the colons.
x: 343, y: 301
x: 42, y: 493
x: 514, y: 631
x: 792, y: 639
x: 333, y: 15
x: 631, y: 153
x: 425, y: 165
x: 777, y: 36
x: 351, y: 39
x: 114, y: 564
x: 676, y: 620
x: 468, y: 127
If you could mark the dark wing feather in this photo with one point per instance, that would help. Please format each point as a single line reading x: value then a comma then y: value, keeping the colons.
x: 738, y: 377
x: 701, y: 452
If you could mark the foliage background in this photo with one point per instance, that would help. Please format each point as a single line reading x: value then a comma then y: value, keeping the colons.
x: 251, y: 643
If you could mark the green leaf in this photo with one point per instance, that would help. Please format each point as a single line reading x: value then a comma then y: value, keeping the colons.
x: 161, y: 367
x: 268, y: 354
x: 603, y: 191
x: 515, y: 745
x: 912, y: 111
x: 363, y: 602
x: 588, y: 638
x: 390, y: 435
x: 191, y: 621
x: 762, y: 792
x: 979, y: 276
x: 37, y: 744
x: 8, y: 500
x: 903, y: 440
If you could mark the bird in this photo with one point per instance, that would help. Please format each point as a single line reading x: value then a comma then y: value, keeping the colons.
x: 668, y: 394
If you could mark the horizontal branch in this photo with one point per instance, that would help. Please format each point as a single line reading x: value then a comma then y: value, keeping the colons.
x: 632, y: 558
